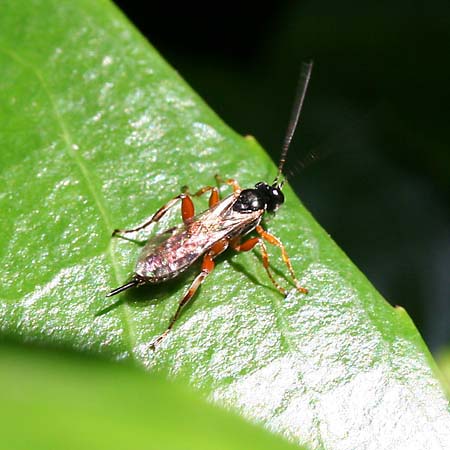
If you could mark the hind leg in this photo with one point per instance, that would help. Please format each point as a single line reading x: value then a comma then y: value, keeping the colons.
x: 207, y: 267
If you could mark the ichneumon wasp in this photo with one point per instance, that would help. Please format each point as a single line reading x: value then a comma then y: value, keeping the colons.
x: 222, y: 225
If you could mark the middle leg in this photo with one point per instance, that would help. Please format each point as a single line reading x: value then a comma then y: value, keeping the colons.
x: 187, y: 212
x: 214, y: 198
x: 230, y: 181
x: 187, y: 208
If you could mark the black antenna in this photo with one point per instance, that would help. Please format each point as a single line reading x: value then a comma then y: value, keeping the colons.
x: 305, y: 75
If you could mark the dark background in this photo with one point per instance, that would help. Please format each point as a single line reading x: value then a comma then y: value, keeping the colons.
x: 376, y: 116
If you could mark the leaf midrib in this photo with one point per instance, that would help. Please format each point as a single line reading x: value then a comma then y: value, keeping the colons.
x: 85, y: 175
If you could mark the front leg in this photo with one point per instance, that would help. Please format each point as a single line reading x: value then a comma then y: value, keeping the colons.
x: 248, y: 245
x: 271, y: 239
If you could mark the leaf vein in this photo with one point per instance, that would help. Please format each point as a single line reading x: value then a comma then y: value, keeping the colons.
x: 128, y: 328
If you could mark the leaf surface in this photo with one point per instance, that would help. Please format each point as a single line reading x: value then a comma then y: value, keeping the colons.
x: 73, y: 402
x: 97, y: 133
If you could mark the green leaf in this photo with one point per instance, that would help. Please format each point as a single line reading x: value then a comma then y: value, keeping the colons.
x: 97, y: 133
x: 443, y: 361
x: 72, y: 402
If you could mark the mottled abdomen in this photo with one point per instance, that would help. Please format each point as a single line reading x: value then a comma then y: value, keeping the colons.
x: 167, y: 255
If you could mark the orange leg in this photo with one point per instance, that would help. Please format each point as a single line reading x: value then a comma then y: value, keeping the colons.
x: 214, y: 198
x: 207, y: 267
x: 275, y: 241
x: 187, y: 211
x: 244, y: 246
x: 187, y: 208
x: 248, y: 245
x: 230, y: 182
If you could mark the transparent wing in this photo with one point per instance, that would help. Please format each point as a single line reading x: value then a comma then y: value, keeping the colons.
x: 169, y: 253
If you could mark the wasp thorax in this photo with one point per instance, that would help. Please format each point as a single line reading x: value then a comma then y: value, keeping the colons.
x: 262, y: 196
x: 249, y: 200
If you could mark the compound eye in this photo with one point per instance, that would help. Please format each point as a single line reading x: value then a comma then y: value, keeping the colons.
x: 276, y: 199
x: 276, y: 192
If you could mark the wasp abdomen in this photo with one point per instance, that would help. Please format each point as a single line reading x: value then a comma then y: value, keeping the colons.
x: 164, y: 257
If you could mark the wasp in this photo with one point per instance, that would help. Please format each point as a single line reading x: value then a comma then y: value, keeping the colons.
x: 224, y: 224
